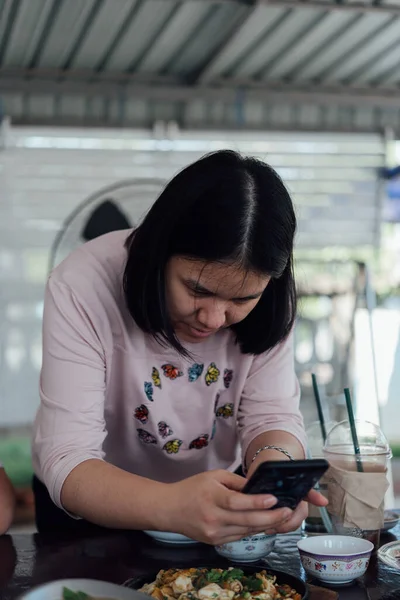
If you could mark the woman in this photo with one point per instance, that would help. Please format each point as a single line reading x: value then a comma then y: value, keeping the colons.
x: 168, y: 359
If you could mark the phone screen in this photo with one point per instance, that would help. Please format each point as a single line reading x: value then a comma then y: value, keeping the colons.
x: 288, y: 481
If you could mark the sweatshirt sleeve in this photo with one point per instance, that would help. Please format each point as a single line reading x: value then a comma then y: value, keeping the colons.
x: 70, y: 425
x: 271, y: 397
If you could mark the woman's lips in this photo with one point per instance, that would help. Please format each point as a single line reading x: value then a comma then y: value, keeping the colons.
x: 199, y: 333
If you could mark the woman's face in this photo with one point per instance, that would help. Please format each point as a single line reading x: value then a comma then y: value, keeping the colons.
x: 205, y: 297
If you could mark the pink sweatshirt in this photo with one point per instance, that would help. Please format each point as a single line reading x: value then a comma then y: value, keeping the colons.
x: 110, y: 392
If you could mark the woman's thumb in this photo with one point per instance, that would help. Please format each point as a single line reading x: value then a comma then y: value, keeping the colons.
x: 231, y: 480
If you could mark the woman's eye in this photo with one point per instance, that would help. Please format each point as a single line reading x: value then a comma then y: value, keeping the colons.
x: 241, y: 301
x: 201, y: 293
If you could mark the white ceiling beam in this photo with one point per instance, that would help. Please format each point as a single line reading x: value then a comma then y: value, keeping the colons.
x: 229, y: 93
x: 354, y: 7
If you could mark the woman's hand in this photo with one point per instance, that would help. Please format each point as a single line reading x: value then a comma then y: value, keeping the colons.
x: 300, y: 513
x: 210, y: 508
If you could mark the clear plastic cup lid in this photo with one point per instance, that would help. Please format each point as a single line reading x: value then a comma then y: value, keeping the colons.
x: 371, y: 439
x: 314, y: 436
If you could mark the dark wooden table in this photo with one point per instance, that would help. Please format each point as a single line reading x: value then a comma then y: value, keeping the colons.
x: 30, y: 560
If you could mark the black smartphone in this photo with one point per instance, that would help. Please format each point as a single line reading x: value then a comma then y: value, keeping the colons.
x: 289, y: 481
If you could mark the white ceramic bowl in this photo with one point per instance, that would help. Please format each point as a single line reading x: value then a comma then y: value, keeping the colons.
x: 392, y: 517
x: 248, y: 549
x: 335, y: 559
x: 92, y: 587
x: 166, y: 537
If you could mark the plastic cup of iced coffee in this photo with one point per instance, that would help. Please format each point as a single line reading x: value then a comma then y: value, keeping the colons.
x: 359, y: 481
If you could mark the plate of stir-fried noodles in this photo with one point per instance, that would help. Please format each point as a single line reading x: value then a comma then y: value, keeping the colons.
x: 234, y: 583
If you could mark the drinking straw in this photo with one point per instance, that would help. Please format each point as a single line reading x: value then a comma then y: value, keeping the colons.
x: 322, y: 509
x: 353, y: 430
x: 319, y: 406
x: 326, y: 520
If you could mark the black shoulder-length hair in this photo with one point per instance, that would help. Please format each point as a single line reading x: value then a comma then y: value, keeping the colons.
x: 223, y: 208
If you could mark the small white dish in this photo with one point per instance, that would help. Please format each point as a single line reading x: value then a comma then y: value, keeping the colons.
x: 391, y: 518
x: 248, y: 549
x: 92, y: 587
x: 166, y: 537
x: 390, y: 554
x: 335, y: 559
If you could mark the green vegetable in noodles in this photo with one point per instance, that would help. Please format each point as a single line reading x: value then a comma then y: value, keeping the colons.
x: 68, y: 594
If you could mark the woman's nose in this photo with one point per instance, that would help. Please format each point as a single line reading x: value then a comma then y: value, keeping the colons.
x: 212, y: 317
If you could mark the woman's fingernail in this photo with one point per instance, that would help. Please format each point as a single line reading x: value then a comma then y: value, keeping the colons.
x: 270, y: 501
x: 287, y: 513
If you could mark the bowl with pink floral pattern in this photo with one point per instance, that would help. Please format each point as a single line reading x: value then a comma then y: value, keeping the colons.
x: 335, y: 559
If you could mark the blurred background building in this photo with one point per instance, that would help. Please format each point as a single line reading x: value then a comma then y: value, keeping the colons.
x: 102, y: 101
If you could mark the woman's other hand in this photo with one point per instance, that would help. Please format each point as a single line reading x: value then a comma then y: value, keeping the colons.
x: 301, y: 512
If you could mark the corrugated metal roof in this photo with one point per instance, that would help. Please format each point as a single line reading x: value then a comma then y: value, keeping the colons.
x: 320, y: 42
